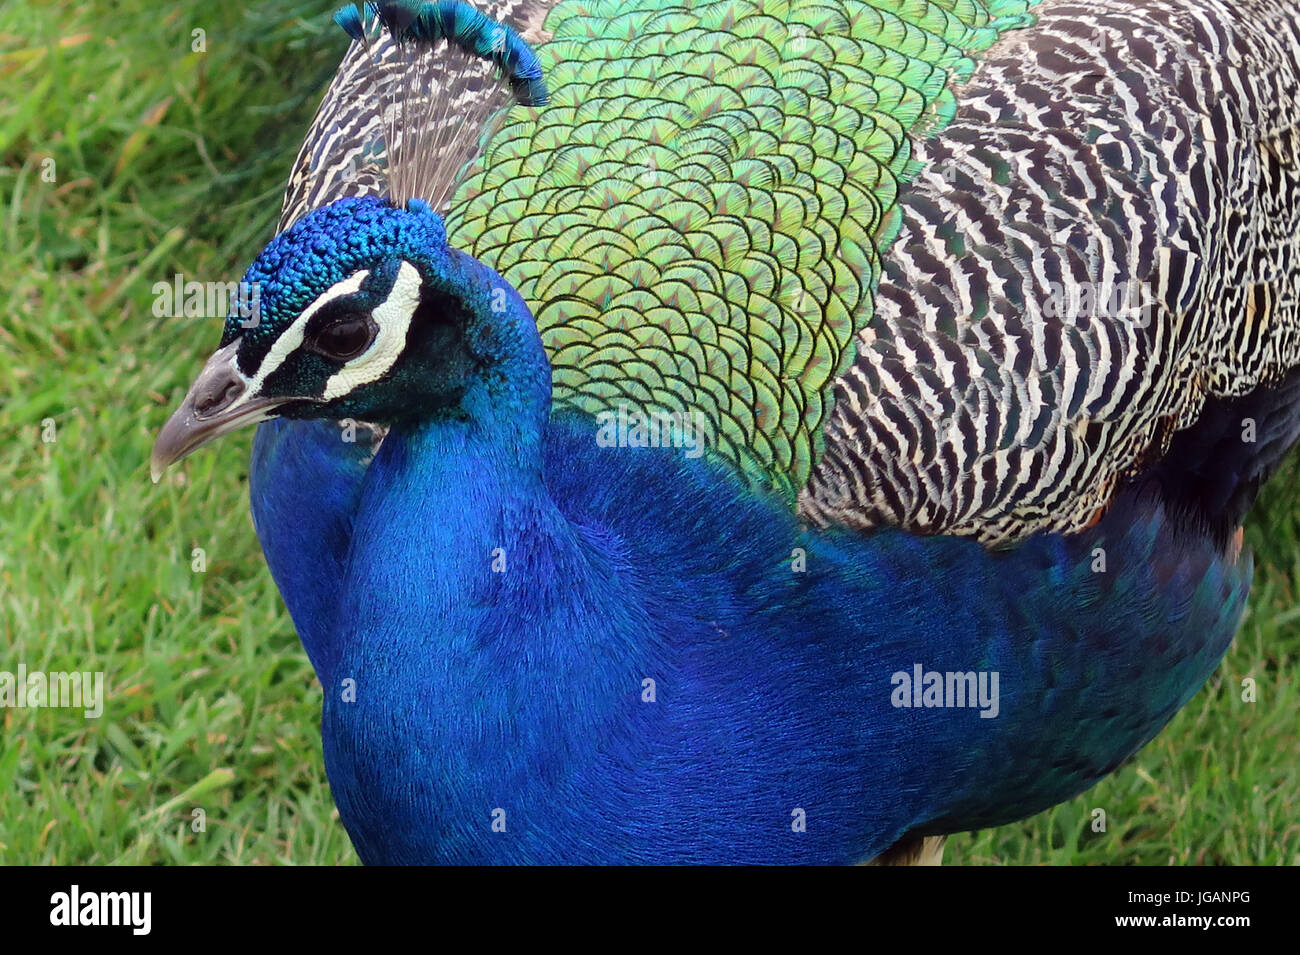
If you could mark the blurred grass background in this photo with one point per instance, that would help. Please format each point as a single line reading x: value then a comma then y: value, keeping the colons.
x: 167, y: 160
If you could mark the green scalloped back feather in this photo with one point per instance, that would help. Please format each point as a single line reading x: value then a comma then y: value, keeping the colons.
x: 697, y: 218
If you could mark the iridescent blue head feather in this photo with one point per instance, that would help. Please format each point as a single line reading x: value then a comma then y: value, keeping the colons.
x: 321, y: 249
x: 361, y: 309
x: 365, y: 312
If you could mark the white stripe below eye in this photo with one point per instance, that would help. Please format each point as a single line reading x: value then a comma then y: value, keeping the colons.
x: 393, y: 316
x: 291, y: 338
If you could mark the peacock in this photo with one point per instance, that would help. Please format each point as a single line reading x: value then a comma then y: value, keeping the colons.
x: 765, y: 431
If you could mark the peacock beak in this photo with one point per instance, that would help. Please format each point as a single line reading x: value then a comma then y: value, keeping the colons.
x: 217, y: 403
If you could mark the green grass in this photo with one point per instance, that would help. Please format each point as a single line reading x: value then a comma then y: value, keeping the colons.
x: 167, y: 161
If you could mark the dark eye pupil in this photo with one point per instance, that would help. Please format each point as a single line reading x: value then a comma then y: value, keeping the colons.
x: 344, y: 339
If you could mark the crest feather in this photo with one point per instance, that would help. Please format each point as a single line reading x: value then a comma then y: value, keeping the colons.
x: 443, y: 76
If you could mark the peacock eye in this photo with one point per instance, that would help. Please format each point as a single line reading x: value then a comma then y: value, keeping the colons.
x: 343, y: 339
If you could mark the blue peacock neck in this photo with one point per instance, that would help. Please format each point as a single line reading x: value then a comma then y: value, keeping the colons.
x: 473, y: 611
x: 460, y: 489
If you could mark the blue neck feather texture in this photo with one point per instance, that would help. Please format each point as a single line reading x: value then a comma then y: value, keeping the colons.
x: 537, y: 649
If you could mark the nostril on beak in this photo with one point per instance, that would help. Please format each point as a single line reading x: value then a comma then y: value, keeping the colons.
x: 218, y: 395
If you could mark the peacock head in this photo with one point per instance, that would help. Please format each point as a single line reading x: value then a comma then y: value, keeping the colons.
x: 362, y: 310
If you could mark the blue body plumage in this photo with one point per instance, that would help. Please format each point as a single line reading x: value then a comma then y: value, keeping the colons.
x: 486, y: 600
x: 774, y: 690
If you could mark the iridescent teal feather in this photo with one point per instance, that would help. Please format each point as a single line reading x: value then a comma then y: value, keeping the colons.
x: 428, y: 22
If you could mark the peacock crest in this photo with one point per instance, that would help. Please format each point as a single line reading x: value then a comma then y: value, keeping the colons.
x: 441, y: 79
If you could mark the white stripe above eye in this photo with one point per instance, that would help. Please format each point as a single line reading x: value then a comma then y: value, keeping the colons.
x: 393, y: 316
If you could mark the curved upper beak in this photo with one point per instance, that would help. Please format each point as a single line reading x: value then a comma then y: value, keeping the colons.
x: 218, y: 402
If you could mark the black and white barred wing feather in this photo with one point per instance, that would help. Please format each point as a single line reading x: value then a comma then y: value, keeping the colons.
x: 1099, y: 269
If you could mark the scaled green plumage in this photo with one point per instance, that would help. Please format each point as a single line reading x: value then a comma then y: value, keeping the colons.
x: 697, y: 218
